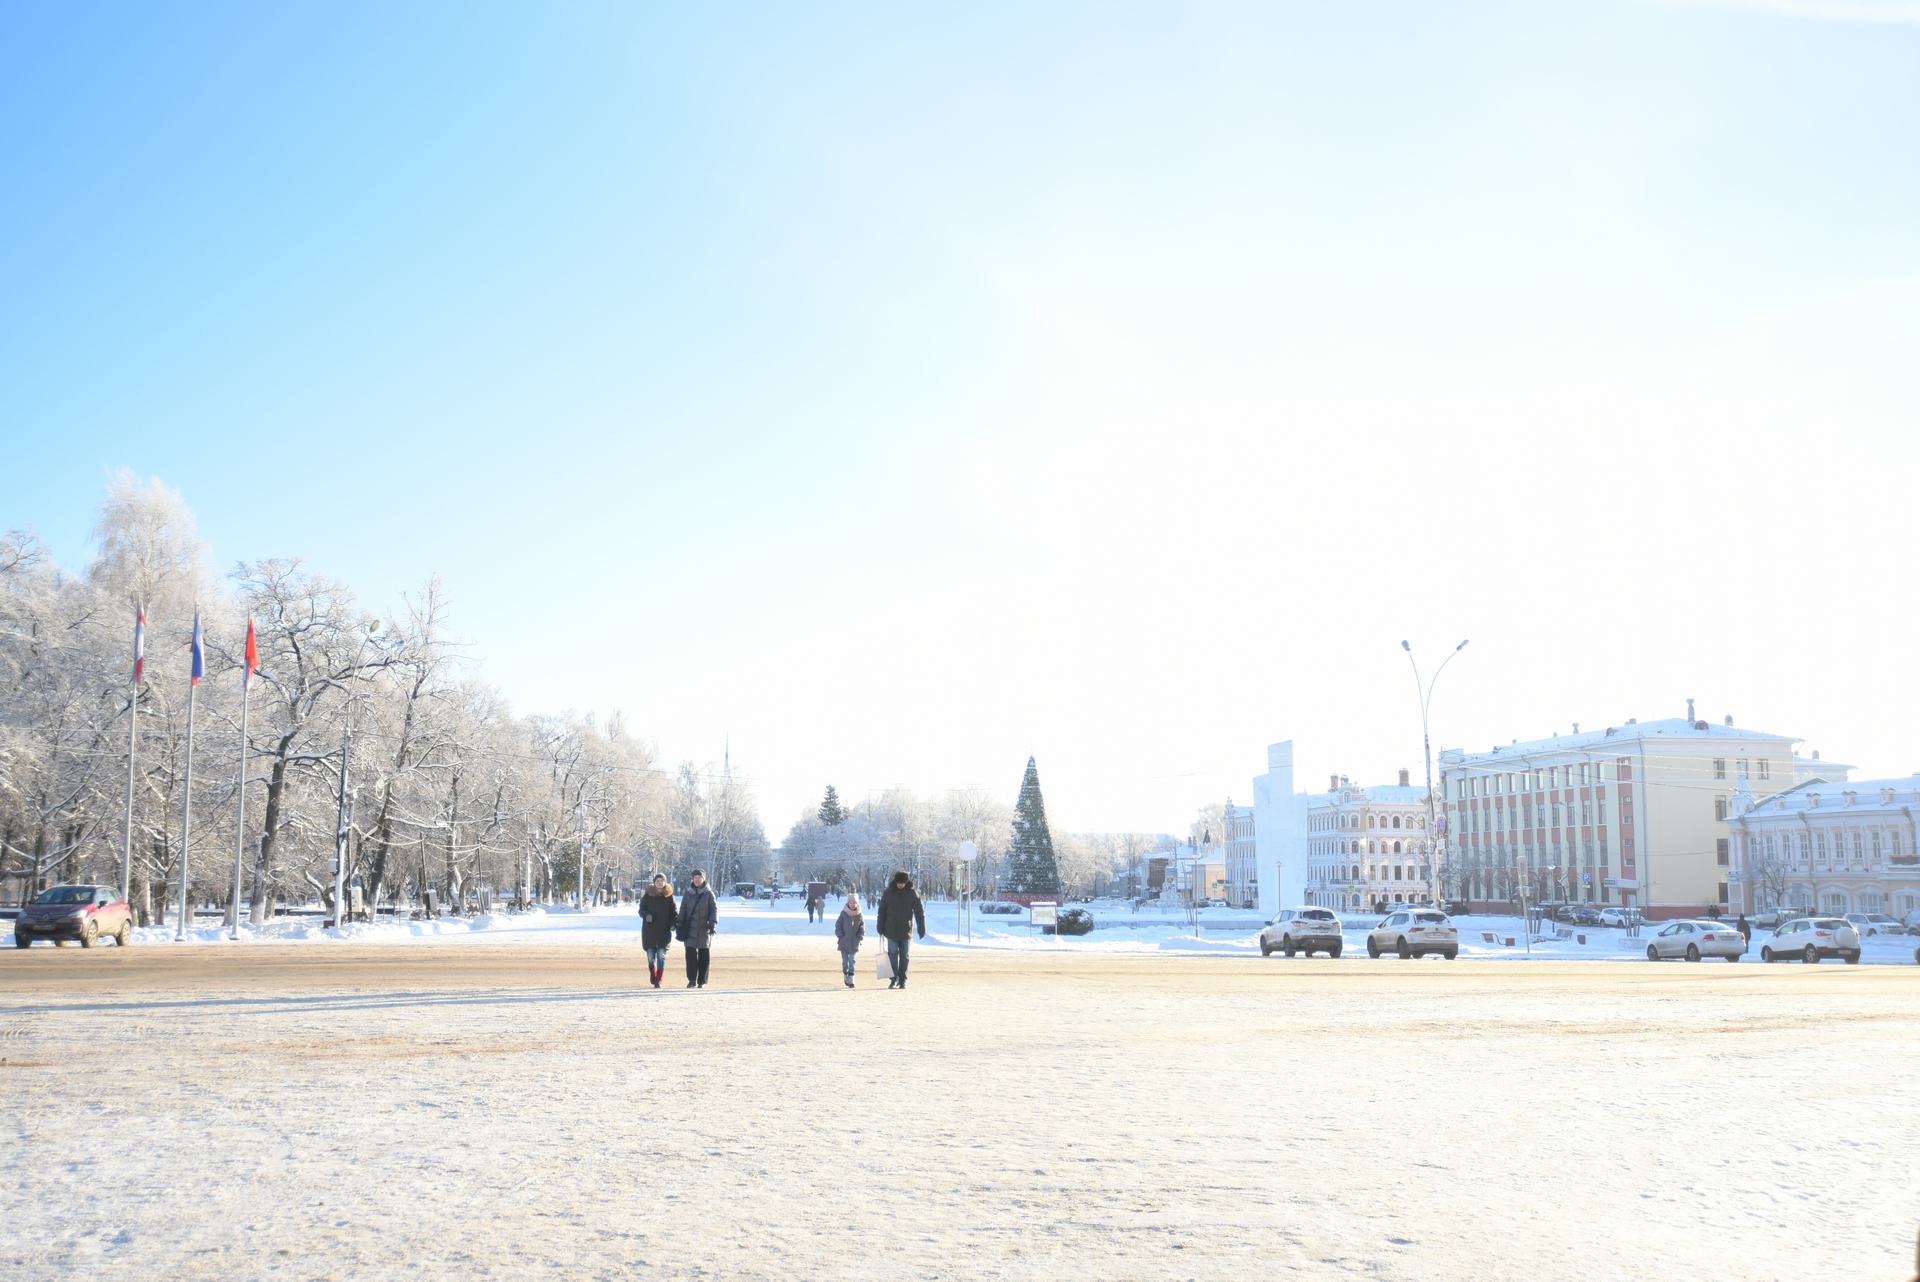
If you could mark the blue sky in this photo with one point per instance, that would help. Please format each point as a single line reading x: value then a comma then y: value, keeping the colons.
x: 898, y: 391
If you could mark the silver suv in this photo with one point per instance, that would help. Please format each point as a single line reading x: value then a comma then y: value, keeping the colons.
x: 1307, y: 930
x: 1415, y: 932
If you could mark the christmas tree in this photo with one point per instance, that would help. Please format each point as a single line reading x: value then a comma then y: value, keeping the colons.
x: 831, y: 812
x: 1031, y: 867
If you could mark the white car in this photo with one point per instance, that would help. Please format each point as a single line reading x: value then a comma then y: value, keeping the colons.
x: 1616, y: 916
x: 1809, y: 939
x: 1870, y: 924
x: 1306, y: 930
x: 1696, y: 939
x: 1415, y: 932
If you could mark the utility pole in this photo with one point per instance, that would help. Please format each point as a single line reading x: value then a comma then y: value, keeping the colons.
x: 340, y: 832
x: 1425, y: 693
x: 133, y: 743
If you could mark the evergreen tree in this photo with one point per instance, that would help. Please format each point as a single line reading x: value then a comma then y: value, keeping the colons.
x: 1031, y: 867
x: 832, y: 813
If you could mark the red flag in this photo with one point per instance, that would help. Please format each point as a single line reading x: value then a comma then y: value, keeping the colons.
x: 253, y: 655
x: 139, y: 647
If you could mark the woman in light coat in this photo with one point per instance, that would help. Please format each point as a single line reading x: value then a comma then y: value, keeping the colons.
x: 849, y: 930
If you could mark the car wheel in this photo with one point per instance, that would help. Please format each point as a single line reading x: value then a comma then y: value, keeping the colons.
x: 1373, y: 949
x: 1266, y: 949
x: 1733, y: 957
x: 1693, y: 952
x: 1335, y: 952
x: 1851, y: 959
x: 125, y: 934
x: 1451, y: 953
x: 1766, y: 954
x: 1653, y: 954
x: 89, y: 933
x: 1405, y: 952
x: 1812, y: 956
x: 22, y: 941
x: 1286, y: 945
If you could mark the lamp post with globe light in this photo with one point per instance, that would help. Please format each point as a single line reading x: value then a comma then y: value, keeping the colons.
x: 1425, y: 692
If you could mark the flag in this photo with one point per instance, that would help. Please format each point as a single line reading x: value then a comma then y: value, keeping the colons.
x: 199, y: 654
x: 139, y: 646
x: 253, y: 656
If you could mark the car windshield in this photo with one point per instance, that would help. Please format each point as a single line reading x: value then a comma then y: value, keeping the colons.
x: 65, y: 895
x: 1322, y: 915
x: 1828, y: 924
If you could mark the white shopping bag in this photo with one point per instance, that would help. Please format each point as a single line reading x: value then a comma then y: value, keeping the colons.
x: 885, y: 966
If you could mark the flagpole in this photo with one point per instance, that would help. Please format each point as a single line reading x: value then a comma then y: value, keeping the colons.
x: 240, y: 798
x: 186, y: 796
x: 186, y: 818
x: 133, y: 742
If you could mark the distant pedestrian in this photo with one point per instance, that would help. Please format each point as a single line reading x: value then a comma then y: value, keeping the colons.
x: 1745, y: 929
x: 901, y: 915
x: 813, y: 906
x: 656, y: 926
x: 849, y: 930
x: 698, y: 921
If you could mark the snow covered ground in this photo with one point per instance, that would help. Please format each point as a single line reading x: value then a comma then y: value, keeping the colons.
x: 517, y: 1107
x: 1118, y: 929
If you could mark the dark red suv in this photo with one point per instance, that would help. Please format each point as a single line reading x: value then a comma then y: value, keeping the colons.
x: 85, y: 913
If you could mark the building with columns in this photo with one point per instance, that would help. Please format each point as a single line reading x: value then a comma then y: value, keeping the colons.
x: 1367, y: 847
x: 1243, y: 875
x: 1828, y: 846
x: 1635, y: 813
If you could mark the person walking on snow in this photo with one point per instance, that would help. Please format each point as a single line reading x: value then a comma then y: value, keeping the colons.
x: 901, y: 915
x: 656, y: 926
x: 699, y: 921
x: 849, y: 930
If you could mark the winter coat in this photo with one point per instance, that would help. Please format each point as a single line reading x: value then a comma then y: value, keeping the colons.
x: 656, y: 918
x: 699, y: 917
x: 901, y: 913
x: 850, y: 930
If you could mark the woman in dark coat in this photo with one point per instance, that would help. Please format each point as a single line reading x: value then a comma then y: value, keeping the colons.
x: 657, y: 915
x: 699, y: 920
x: 900, y: 915
x: 849, y: 930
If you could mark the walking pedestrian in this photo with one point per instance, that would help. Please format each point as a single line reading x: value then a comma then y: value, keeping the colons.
x: 1745, y: 929
x: 901, y: 914
x: 813, y: 906
x: 657, y: 917
x: 699, y: 921
x: 849, y: 930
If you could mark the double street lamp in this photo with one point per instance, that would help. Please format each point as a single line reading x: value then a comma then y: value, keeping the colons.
x: 1425, y: 692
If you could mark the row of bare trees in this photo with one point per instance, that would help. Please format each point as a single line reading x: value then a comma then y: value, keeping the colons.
x: 447, y: 788
x: 898, y: 829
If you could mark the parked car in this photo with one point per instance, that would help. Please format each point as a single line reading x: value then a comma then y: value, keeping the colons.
x: 1000, y: 907
x: 1307, y: 930
x: 1693, y: 940
x: 1809, y: 939
x: 86, y: 913
x: 1073, y: 921
x: 1415, y: 933
x: 1618, y: 916
x: 1870, y: 924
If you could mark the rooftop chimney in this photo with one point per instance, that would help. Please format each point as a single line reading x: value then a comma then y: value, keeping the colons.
x: 1689, y: 709
x: 1333, y: 783
x: 1729, y: 718
x: 1403, y: 778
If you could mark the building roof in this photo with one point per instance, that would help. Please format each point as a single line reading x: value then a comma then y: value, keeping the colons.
x: 1832, y: 797
x: 1381, y: 794
x: 1677, y: 729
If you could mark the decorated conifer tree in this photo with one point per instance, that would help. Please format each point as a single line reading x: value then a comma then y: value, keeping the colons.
x: 832, y: 814
x: 1031, y: 867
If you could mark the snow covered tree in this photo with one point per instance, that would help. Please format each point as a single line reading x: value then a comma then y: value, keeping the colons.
x: 832, y: 814
x: 1031, y: 866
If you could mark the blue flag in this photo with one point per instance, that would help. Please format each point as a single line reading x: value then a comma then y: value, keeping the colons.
x: 199, y: 653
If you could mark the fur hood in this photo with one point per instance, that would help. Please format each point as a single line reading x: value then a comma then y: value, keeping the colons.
x: 659, y: 890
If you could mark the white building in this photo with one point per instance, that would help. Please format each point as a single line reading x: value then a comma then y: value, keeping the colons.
x: 1828, y: 845
x: 1279, y: 833
x: 1367, y: 847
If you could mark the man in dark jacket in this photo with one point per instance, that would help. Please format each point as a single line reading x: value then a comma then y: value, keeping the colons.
x: 699, y: 921
x: 901, y: 915
x: 657, y: 916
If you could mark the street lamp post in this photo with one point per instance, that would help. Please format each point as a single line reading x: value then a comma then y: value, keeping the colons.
x: 1425, y: 693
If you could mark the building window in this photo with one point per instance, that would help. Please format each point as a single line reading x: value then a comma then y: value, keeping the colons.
x: 1720, y: 809
x: 1720, y: 851
x: 1893, y: 844
x: 1741, y: 762
x: 1820, y: 845
x: 1600, y: 811
x: 1764, y: 768
x: 1858, y: 847
x: 1719, y: 767
x: 1876, y: 845
x: 1723, y: 892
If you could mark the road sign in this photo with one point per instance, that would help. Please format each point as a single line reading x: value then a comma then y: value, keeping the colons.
x: 1618, y: 883
x: 968, y: 852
